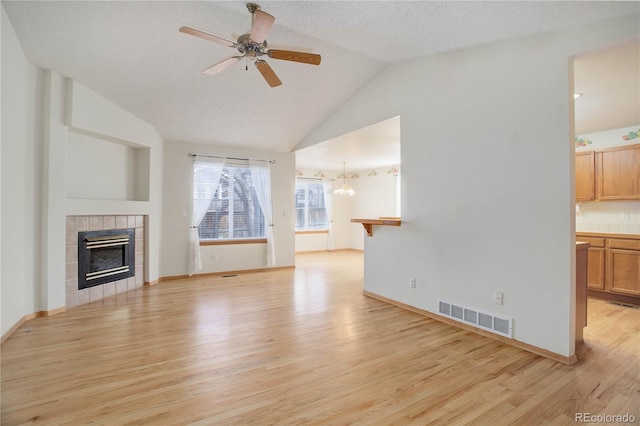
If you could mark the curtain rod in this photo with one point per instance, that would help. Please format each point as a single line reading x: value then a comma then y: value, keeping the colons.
x: 230, y: 158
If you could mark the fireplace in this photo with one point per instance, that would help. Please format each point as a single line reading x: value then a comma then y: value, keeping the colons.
x: 105, y: 256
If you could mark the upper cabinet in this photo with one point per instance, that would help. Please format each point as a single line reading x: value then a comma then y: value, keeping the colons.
x: 585, y: 176
x: 618, y: 173
x: 608, y: 174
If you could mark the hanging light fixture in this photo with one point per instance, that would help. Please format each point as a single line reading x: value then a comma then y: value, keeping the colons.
x: 344, y: 189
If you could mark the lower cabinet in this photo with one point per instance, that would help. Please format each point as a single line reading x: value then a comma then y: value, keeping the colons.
x: 613, y: 266
x: 624, y: 266
x: 595, y: 262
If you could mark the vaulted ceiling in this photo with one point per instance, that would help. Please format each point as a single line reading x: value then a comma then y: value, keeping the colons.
x: 132, y: 53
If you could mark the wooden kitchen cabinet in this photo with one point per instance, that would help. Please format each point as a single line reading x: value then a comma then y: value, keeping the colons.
x: 595, y: 262
x: 586, y: 176
x: 618, y: 173
x: 613, y: 266
x: 623, y: 259
x: 611, y: 174
x: 595, y: 268
x: 581, y: 289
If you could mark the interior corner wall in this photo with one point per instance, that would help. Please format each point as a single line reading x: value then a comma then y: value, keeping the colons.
x: 341, y: 207
x: 177, y: 184
x: 487, y: 156
x: 1, y: 19
x: 37, y: 107
x: 21, y: 175
x: 375, y: 197
x: 376, y: 193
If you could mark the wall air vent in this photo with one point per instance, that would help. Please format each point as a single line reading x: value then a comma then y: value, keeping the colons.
x: 485, y: 320
x: 444, y: 308
x: 482, y: 320
x: 502, y: 326
x: 457, y: 312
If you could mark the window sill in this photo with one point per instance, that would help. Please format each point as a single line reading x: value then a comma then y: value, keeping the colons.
x: 322, y: 231
x: 230, y: 242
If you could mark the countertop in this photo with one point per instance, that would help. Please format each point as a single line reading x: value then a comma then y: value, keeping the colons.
x: 606, y: 235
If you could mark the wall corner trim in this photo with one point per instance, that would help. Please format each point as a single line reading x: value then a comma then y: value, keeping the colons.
x: 29, y: 317
x: 568, y: 360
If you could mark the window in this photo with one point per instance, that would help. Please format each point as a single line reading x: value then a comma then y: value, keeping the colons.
x: 311, y: 213
x: 234, y: 212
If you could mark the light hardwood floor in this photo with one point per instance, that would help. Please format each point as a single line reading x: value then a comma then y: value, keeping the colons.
x: 297, y: 347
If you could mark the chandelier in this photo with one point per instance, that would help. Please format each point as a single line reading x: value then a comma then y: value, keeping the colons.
x: 344, y: 189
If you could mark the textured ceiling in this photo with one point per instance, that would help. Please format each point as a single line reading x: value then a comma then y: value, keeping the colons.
x: 609, y: 80
x: 375, y: 146
x: 132, y: 53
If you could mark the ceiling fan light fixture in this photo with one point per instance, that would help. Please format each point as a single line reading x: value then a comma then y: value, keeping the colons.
x: 345, y: 191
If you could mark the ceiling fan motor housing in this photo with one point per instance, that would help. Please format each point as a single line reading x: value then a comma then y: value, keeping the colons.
x: 253, y: 7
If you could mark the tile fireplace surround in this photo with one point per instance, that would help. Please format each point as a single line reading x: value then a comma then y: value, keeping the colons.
x: 77, y: 224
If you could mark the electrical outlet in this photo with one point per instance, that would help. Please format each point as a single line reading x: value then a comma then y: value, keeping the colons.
x: 412, y: 283
x: 497, y: 297
x: 214, y: 257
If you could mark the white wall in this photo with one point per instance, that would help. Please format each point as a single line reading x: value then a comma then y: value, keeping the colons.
x: 1, y: 20
x: 487, y: 172
x: 99, y: 169
x: 177, y: 213
x: 609, y: 138
x: 40, y: 110
x: 21, y: 175
x: 609, y: 216
x: 376, y: 195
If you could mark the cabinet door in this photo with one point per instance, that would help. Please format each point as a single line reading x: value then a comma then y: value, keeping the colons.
x: 585, y: 176
x: 624, y: 271
x: 595, y: 268
x: 618, y: 173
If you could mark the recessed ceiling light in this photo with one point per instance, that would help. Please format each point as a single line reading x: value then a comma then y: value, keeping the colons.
x: 576, y: 95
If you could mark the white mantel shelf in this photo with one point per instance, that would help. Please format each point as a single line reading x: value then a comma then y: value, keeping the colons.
x: 383, y: 221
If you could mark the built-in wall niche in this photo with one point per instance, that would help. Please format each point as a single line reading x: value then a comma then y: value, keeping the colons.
x: 99, y: 169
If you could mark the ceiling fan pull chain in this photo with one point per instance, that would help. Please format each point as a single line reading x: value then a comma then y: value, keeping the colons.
x: 246, y: 64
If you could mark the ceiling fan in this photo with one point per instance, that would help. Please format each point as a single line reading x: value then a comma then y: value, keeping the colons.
x: 253, y: 46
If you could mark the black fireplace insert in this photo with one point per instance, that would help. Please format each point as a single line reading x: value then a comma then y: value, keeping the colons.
x: 105, y: 256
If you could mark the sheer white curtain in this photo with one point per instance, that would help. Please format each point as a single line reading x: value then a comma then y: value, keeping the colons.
x: 206, y: 177
x: 328, y: 204
x: 261, y: 175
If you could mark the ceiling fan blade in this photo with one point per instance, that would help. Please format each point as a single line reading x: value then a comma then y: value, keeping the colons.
x: 222, y: 65
x: 288, y: 55
x: 268, y: 74
x: 261, y: 26
x: 207, y: 36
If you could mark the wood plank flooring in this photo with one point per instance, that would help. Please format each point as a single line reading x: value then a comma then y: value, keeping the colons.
x: 296, y: 347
